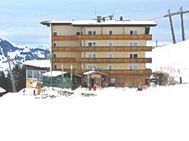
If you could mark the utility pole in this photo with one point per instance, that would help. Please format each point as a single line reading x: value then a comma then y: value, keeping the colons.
x: 11, y: 75
x: 182, y: 23
x: 181, y: 13
x: 171, y: 25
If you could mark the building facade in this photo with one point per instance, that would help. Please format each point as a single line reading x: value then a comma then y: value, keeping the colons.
x: 34, y: 71
x: 115, y: 48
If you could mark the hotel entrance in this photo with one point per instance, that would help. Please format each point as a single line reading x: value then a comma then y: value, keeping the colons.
x: 94, y: 78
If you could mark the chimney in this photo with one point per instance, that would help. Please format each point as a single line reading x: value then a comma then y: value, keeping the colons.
x: 121, y: 18
x: 98, y: 18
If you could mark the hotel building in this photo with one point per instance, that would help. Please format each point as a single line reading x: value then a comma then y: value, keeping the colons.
x: 113, y: 48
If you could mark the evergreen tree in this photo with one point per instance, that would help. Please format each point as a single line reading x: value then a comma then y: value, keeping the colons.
x: 19, y: 77
x: 9, y: 84
x: 3, y: 81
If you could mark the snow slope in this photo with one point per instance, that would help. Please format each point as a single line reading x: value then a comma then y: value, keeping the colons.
x: 116, y: 114
x: 172, y: 59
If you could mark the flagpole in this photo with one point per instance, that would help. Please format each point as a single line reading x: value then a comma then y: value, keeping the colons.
x: 62, y: 75
x: 71, y: 75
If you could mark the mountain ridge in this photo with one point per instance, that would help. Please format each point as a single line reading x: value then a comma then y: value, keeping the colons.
x: 20, y: 53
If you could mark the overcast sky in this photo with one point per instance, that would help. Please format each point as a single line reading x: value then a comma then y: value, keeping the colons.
x: 20, y: 19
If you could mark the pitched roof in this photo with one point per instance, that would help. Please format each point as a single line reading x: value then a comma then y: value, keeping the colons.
x: 38, y: 63
x: 53, y: 73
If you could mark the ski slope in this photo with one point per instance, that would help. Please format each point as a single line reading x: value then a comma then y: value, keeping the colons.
x: 172, y: 59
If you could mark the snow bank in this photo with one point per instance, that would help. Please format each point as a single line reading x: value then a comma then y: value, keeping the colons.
x: 172, y: 59
x: 2, y: 90
x: 116, y: 114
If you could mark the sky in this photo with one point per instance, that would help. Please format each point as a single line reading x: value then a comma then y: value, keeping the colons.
x: 20, y: 19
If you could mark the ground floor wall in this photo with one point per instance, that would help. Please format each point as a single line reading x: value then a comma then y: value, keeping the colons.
x: 126, y: 81
x: 29, y: 82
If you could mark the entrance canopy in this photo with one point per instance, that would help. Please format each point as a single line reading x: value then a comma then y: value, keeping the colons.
x: 94, y: 78
x: 94, y: 72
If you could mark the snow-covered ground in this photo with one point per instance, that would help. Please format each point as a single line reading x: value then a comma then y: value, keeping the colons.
x: 2, y: 90
x: 111, y: 114
x: 172, y: 59
x: 115, y: 114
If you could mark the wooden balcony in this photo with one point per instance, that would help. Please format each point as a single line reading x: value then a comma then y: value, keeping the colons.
x: 115, y: 60
x: 64, y: 49
x: 103, y: 49
x: 101, y: 37
x: 145, y: 72
x: 63, y: 60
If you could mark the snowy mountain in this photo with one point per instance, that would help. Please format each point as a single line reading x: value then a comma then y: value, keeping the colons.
x: 171, y: 59
x: 19, y: 53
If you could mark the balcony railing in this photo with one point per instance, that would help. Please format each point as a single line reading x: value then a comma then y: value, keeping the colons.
x: 103, y: 48
x: 63, y: 60
x: 145, y: 72
x: 102, y: 37
x: 115, y: 60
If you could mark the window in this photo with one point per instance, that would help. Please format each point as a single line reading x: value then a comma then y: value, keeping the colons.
x: 29, y: 73
x: 54, y: 55
x: 94, y: 44
x: 133, y: 43
x: 110, y: 32
x: 55, y: 34
x: 78, y: 33
x: 36, y: 74
x: 133, y: 32
x: 55, y: 67
x: 113, y: 80
x: 91, y: 44
x: 91, y: 32
x: 94, y: 32
x: 133, y: 67
x: 91, y: 67
x: 54, y: 44
x: 92, y: 55
x: 109, y: 67
x: 110, y: 44
x: 134, y: 55
x: 110, y: 55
